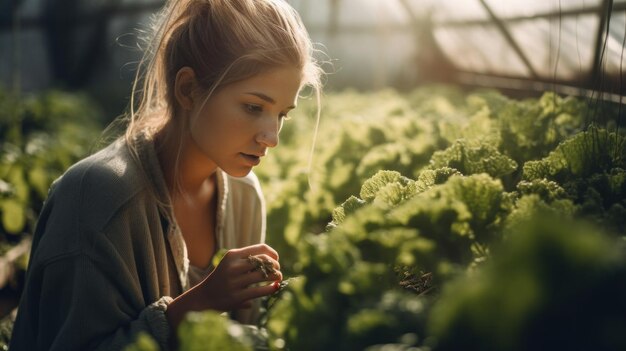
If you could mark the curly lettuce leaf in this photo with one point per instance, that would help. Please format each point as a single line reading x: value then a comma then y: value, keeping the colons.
x: 472, y: 157
x: 586, y: 153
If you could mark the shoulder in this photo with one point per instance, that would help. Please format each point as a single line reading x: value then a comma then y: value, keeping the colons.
x: 92, y: 206
x: 245, y: 194
x: 247, y: 186
x: 97, y: 186
x: 250, y: 181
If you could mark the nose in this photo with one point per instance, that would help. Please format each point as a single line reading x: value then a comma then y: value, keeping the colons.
x: 268, y: 135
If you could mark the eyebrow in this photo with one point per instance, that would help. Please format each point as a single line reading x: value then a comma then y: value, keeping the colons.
x: 268, y: 99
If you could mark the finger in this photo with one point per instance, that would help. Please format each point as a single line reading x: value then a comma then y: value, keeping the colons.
x: 250, y: 278
x: 240, y: 266
x: 255, y: 250
x: 244, y: 265
x: 274, y: 262
x: 256, y: 292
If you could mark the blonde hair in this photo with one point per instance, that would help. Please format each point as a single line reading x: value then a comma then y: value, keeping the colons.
x: 223, y: 41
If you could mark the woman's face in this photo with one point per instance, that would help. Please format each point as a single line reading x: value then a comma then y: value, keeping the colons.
x: 242, y: 120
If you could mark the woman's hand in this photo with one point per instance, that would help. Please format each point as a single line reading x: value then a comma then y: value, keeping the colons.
x: 231, y: 285
x: 235, y: 281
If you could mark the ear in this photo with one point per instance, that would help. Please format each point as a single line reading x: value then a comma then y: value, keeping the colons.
x: 184, y: 87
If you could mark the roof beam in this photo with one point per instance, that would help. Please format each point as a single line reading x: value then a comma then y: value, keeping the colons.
x: 500, y: 25
x: 604, y: 12
x: 409, y: 11
x: 333, y: 18
x: 537, y: 86
x: 621, y: 6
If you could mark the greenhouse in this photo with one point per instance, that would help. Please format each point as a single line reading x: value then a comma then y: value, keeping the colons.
x: 451, y: 175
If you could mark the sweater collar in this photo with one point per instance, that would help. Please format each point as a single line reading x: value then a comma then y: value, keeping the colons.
x: 147, y: 155
x: 146, y: 152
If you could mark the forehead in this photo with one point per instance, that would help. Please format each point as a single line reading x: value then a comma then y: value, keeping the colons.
x: 280, y: 83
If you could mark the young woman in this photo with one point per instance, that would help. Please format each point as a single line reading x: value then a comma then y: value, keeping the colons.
x: 126, y: 237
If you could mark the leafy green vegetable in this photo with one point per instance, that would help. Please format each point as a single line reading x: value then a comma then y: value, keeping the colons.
x: 209, y: 330
x: 42, y: 135
x: 409, y: 226
x: 415, y: 228
x: 144, y: 342
x: 589, y: 166
x: 555, y: 285
x: 546, y: 189
x: 584, y: 154
x: 472, y: 158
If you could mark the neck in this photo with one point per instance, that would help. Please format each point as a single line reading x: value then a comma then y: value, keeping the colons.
x: 196, y: 173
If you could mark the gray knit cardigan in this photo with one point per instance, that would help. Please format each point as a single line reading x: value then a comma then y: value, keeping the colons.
x: 107, y: 258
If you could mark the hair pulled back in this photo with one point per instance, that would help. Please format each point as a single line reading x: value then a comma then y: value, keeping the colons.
x: 223, y: 41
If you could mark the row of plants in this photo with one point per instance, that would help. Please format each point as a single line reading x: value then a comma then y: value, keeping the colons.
x: 430, y: 220
x: 438, y: 220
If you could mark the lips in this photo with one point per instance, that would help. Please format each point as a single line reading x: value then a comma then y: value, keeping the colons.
x: 251, y: 159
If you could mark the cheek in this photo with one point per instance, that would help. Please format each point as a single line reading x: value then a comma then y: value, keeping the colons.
x: 204, y: 131
x: 211, y: 130
x: 199, y: 127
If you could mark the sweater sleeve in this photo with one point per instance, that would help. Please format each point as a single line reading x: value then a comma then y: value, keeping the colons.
x: 71, y: 304
x: 82, y: 290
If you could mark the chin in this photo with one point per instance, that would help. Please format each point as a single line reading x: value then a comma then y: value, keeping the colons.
x: 238, y: 173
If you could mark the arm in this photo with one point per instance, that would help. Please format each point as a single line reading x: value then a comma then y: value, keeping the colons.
x: 72, y: 304
x: 228, y: 287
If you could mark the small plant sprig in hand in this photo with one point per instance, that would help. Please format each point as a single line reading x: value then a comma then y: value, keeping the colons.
x: 266, y: 267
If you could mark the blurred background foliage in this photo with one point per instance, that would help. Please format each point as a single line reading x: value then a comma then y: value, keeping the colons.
x: 42, y: 135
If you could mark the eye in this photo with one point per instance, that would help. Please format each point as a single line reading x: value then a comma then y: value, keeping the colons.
x: 253, y: 109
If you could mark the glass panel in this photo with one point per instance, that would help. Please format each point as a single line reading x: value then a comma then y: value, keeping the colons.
x: 481, y: 49
x: 30, y: 8
x: 370, y: 12
x: 141, y: 2
x: 453, y: 10
x: 614, y: 45
x: 519, y: 8
x: 313, y: 13
x: 370, y: 61
x: 373, y: 44
x: 33, y: 60
x: 539, y: 40
x: 122, y: 32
